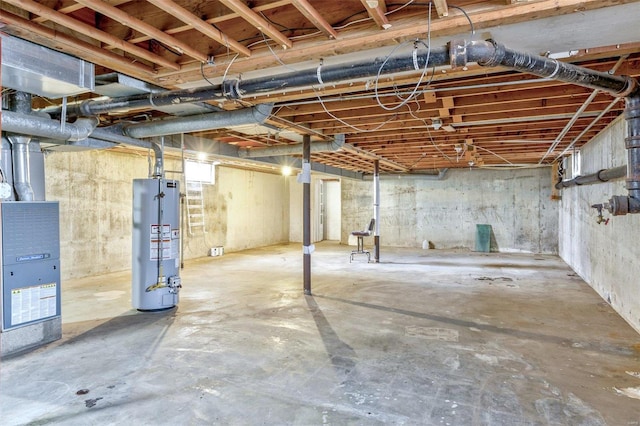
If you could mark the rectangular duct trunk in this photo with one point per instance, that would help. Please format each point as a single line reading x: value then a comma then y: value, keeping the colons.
x: 35, y: 69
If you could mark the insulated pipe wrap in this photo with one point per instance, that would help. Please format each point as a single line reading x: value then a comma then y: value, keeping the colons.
x: 491, y: 54
x: 437, y: 56
x: 234, y: 89
x: 20, y: 102
x: 148, y: 100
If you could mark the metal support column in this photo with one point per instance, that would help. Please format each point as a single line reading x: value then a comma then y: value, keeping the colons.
x: 376, y: 211
x: 306, y: 212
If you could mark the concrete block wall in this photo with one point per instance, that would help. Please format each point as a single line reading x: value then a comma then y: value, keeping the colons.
x: 94, y: 188
x: 414, y: 209
x: 605, y: 256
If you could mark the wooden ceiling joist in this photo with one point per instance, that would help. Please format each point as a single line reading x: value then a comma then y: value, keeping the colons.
x: 69, y: 7
x: 91, y: 32
x: 31, y: 31
x: 199, y: 25
x: 145, y: 28
x: 314, y: 16
x: 510, y: 117
x: 377, y: 10
x: 258, y: 22
x: 441, y: 8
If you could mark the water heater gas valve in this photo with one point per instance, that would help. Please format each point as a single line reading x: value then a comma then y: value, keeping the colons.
x: 175, y: 284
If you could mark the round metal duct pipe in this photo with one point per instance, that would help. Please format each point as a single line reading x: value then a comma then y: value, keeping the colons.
x: 199, y: 123
x: 42, y: 127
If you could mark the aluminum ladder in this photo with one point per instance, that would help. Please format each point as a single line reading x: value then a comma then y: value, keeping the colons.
x: 195, y: 206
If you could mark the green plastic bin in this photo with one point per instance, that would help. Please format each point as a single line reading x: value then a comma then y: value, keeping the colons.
x: 483, y: 238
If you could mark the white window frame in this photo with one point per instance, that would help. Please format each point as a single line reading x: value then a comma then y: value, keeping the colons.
x: 200, y: 171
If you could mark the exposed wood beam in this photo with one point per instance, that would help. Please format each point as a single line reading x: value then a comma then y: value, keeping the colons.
x: 258, y: 21
x: 376, y: 10
x: 372, y: 156
x: 441, y: 8
x: 314, y: 16
x: 366, y: 39
x: 92, y: 32
x: 69, y: 7
x: 214, y: 20
x: 135, y: 23
x: 198, y: 24
x: 56, y: 40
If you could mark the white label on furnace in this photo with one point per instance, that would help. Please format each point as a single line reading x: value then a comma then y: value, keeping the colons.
x: 33, y: 303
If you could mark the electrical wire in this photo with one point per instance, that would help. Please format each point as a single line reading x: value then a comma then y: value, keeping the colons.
x: 433, y: 142
x: 405, y: 100
x: 424, y: 70
x: 318, y: 95
x: 202, y: 74
x: 224, y: 76
x: 351, y: 126
x: 399, y: 8
x: 464, y: 12
x: 494, y: 154
x: 275, y: 55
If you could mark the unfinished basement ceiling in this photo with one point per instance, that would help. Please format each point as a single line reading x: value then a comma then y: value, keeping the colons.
x: 483, y: 117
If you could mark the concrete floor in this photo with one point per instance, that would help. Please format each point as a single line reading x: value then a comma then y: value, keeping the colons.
x: 427, y: 337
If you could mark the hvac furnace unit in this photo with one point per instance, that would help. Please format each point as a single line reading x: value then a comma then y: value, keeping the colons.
x: 30, y: 307
x: 156, y: 244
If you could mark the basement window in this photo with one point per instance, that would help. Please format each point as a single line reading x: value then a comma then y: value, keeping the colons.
x: 199, y: 171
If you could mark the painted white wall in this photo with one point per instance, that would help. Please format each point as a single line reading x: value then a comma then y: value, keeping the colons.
x: 333, y: 210
x: 414, y: 209
x: 243, y: 209
x: 605, y: 256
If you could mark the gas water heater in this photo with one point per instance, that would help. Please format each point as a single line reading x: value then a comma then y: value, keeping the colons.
x: 155, y: 282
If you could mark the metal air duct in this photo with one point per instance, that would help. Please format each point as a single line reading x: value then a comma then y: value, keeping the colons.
x: 34, y: 125
x: 39, y: 70
x: 275, y: 151
x: 21, y: 174
x: 199, y: 123
x: 82, y: 129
